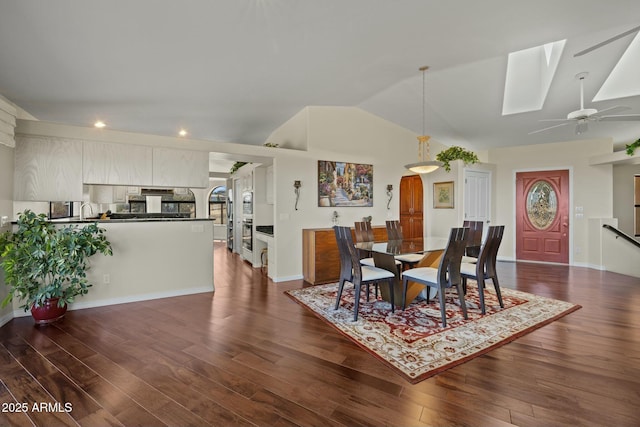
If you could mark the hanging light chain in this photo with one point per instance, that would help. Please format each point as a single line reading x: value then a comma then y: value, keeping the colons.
x: 423, y: 140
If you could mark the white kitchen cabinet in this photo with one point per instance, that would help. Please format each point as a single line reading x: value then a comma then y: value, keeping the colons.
x: 108, y: 194
x: 47, y: 169
x: 180, y: 168
x: 117, y: 164
x: 119, y: 194
x: 8, y: 115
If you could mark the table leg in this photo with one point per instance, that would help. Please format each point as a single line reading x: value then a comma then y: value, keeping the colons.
x: 388, y: 262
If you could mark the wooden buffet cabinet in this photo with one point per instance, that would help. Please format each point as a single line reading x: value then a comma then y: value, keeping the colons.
x: 320, y: 256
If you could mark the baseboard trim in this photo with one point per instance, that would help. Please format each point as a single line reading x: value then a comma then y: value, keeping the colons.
x: 287, y: 278
x: 125, y: 300
x: 6, y: 318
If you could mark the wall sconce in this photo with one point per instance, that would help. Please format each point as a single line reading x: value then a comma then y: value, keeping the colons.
x: 296, y: 186
x: 389, y: 194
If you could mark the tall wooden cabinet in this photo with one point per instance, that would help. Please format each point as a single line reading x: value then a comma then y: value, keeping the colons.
x: 411, y: 206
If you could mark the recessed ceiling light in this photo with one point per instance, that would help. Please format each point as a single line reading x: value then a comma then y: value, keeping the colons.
x: 182, y: 132
x: 99, y: 124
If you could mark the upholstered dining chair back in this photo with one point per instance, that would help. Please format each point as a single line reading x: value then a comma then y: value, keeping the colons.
x: 485, y: 267
x: 496, y: 232
x: 351, y: 270
x: 449, y: 268
x: 363, y: 231
x: 474, y: 238
x: 447, y: 275
x: 345, y: 242
x: 394, y: 230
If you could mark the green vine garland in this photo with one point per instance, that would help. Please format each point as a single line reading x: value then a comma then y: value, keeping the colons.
x: 631, y: 148
x: 456, y: 153
x: 236, y: 166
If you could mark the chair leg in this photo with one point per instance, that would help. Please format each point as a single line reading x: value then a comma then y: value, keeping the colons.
x: 340, y: 286
x: 393, y: 305
x: 463, y: 304
x: 356, y: 303
x: 443, y: 309
x: 496, y: 285
x: 464, y: 285
x: 481, y: 294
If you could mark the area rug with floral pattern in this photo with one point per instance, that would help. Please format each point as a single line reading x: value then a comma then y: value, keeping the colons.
x: 414, y: 343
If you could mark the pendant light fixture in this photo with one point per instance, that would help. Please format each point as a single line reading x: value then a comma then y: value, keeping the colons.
x: 425, y: 165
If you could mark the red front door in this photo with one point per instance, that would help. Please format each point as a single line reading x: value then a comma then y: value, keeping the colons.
x: 542, y: 216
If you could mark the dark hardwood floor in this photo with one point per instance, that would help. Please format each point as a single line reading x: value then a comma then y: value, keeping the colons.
x: 248, y: 355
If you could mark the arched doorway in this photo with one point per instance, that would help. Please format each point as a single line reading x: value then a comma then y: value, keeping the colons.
x: 411, y: 206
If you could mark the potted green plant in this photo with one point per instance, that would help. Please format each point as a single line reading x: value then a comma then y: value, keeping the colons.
x: 46, y: 266
x: 236, y: 166
x: 631, y: 148
x: 456, y: 153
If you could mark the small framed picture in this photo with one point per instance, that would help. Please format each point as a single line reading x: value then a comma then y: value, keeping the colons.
x: 443, y: 195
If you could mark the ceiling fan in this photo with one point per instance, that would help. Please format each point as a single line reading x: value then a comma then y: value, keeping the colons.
x: 583, y: 116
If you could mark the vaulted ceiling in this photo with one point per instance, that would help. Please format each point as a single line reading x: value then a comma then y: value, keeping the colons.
x: 235, y: 70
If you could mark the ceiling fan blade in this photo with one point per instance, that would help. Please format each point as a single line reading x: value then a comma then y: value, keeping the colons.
x: 606, y: 42
x: 614, y: 109
x: 550, y: 127
x: 621, y: 118
x: 553, y: 120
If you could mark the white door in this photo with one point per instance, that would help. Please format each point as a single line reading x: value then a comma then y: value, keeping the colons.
x: 477, y: 196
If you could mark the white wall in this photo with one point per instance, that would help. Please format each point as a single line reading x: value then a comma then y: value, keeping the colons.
x: 150, y: 260
x: 334, y: 134
x: 6, y: 209
x: 293, y: 133
x: 353, y: 135
x: 623, y: 196
x: 590, y: 186
x: 438, y: 222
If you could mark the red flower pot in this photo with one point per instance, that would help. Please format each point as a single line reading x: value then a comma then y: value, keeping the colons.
x: 48, y: 312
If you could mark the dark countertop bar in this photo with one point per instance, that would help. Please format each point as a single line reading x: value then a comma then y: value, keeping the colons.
x: 265, y: 229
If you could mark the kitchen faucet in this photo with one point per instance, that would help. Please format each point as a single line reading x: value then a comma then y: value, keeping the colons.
x: 82, y: 207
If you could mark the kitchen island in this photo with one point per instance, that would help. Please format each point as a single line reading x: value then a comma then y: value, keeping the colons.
x: 152, y: 258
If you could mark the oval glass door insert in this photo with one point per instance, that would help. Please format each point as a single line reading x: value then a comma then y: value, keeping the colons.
x: 542, y: 205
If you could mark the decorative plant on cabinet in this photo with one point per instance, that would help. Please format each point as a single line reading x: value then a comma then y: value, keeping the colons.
x: 46, y: 266
x: 456, y: 153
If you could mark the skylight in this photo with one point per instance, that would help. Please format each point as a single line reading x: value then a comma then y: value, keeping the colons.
x: 529, y: 75
x: 623, y: 80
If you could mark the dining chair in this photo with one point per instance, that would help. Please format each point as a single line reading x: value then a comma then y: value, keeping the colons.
x: 485, y: 268
x: 475, y: 240
x: 447, y: 275
x: 394, y: 232
x: 352, y: 271
x: 364, y: 233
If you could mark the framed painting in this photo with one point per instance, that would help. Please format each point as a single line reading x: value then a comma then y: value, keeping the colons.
x: 343, y: 184
x: 443, y: 195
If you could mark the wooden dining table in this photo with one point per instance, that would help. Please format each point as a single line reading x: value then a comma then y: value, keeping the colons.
x: 383, y: 256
